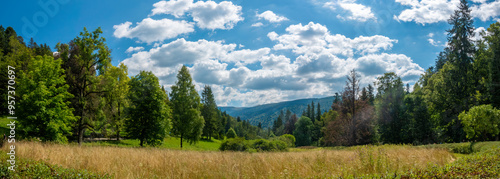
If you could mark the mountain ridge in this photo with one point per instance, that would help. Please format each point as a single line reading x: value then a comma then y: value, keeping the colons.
x: 267, y: 113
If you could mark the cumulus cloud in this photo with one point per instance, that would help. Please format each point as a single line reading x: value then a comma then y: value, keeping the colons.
x: 354, y: 11
x: 428, y: 12
x: 206, y: 14
x: 150, y: 30
x: 315, y: 38
x: 317, y: 66
x: 271, y: 17
x: 134, y: 49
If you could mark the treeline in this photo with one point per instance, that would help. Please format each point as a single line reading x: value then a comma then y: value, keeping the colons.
x: 453, y: 101
x: 75, y: 93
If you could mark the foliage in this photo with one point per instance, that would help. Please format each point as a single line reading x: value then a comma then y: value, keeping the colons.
x: 259, y: 145
x: 236, y: 144
x: 209, y: 112
x: 116, y: 99
x: 85, y: 59
x: 27, y: 168
x: 302, y: 131
x: 43, y: 107
x: 149, y: 115
x: 481, y: 121
x: 187, y: 120
x: 231, y: 133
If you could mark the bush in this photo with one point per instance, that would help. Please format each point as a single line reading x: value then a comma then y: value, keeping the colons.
x: 289, y: 139
x: 231, y: 133
x: 236, y: 144
x: 280, y: 145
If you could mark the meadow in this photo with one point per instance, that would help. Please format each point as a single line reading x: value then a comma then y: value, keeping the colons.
x: 124, y: 162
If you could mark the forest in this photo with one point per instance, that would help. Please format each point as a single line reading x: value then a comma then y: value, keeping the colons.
x: 74, y: 93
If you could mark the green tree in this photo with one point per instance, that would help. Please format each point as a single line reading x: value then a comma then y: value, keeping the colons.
x: 149, y: 115
x: 187, y: 120
x: 231, y: 133
x: 481, y: 121
x: 493, y: 41
x: 313, y: 116
x: 390, y: 108
x: 85, y: 59
x: 116, y: 99
x: 44, y: 110
x: 302, y: 131
x: 209, y: 112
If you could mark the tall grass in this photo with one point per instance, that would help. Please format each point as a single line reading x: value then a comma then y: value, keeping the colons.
x: 160, y: 163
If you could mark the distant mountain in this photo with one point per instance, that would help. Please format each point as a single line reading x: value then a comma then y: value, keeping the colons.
x: 267, y: 113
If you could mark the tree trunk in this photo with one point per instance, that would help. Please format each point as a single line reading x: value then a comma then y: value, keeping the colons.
x: 117, y: 133
x: 80, y: 136
x: 142, y: 141
x: 181, y: 141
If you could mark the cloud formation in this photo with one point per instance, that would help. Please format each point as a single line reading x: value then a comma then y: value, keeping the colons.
x: 317, y: 65
x: 271, y: 17
x: 351, y: 10
x: 150, y: 30
x: 433, y: 11
x: 206, y: 14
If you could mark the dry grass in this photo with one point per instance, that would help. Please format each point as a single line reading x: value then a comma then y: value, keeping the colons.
x: 161, y: 163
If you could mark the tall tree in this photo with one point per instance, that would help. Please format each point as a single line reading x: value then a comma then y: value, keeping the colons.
x: 209, y: 112
x: 149, y: 115
x: 85, y: 58
x: 313, y: 116
x: 116, y: 100
x: 318, y: 114
x: 187, y: 120
x: 493, y: 40
x: 44, y: 110
x: 371, y: 97
x: 390, y: 108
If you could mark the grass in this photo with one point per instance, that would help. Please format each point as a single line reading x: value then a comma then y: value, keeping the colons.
x: 123, y: 162
x: 4, y: 129
x: 168, y: 143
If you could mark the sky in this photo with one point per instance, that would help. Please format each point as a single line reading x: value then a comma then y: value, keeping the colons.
x: 256, y: 51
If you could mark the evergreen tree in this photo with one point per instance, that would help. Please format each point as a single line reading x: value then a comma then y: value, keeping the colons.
x: 371, y: 97
x: 187, y: 120
x: 313, y: 116
x: 209, y: 112
x: 318, y: 114
x: 302, y: 131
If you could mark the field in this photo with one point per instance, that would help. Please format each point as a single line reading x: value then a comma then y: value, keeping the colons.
x: 120, y: 162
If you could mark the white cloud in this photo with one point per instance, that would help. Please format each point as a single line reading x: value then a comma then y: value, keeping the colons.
x: 355, y: 11
x: 176, y: 8
x: 150, y: 30
x: 258, y: 24
x: 271, y: 17
x: 206, y: 14
x: 486, y: 11
x: 134, y: 49
x: 317, y: 66
x: 433, y: 11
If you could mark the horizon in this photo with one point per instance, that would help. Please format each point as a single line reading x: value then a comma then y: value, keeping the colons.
x: 257, y: 52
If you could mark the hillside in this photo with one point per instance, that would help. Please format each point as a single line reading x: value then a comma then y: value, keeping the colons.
x: 267, y: 113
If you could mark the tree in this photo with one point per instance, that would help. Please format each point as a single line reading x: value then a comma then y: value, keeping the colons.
x: 278, y: 126
x: 318, y: 114
x: 85, y: 58
x: 390, y: 108
x: 290, y: 124
x: 371, y: 97
x: 116, y: 100
x: 481, y: 121
x: 149, y: 115
x: 209, y: 112
x: 302, y: 131
x: 313, y: 116
x: 44, y: 110
x: 187, y: 120
x: 493, y: 40
x: 231, y: 133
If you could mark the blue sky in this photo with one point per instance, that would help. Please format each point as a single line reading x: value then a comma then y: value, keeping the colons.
x: 259, y: 51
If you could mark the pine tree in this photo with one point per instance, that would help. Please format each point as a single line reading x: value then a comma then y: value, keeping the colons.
x: 313, y: 116
x: 318, y: 114
x: 209, y: 112
x: 187, y: 120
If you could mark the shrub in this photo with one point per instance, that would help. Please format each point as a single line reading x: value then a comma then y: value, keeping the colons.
x: 236, y: 144
x: 279, y: 145
x: 289, y: 139
x: 231, y: 133
x: 263, y: 145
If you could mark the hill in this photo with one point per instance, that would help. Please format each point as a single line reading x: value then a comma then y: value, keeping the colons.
x: 267, y: 113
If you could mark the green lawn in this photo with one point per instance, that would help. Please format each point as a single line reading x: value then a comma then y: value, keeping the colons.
x: 168, y: 143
